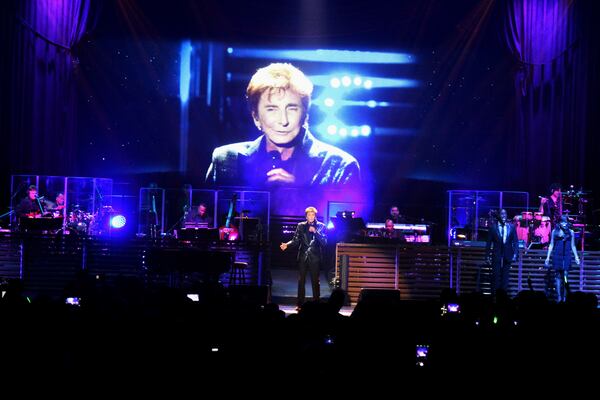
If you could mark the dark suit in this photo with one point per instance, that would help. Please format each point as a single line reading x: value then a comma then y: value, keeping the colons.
x: 310, y: 253
x: 312, y: 163
x: 502, y: 254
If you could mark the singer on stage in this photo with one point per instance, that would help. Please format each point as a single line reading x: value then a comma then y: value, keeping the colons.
x: 501, y: 250
x: 310, y: 238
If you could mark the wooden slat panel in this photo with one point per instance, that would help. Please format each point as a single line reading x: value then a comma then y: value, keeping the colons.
x: 423, y: 271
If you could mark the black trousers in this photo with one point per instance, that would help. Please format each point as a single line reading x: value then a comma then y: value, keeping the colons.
x: 500, y: 274
x: 306, y: 264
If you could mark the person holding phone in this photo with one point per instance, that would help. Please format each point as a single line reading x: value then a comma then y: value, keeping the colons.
x: 562, y: 245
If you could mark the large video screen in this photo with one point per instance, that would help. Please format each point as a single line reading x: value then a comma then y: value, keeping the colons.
x: 366, y: 128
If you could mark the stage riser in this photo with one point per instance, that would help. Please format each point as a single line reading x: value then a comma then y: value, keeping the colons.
x: 49, y: 264
x: 421, y: 272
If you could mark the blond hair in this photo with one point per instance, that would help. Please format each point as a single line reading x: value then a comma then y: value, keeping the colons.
x: 310, y: 209
x: 278, y: 77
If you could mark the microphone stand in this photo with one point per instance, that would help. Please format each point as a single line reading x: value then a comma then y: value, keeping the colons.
x: 184, y: 216
x: 39, y: 203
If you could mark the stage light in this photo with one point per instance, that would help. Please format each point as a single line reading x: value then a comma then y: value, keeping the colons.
x: 329, y: 102
x: 343, y: 132
x: 357, y: 80
x: 229, y: 50
x: 118, y: 221
x: 332, y: 129
x: 346, y: 80
x: 354, y: 132
x: 368, y: 84
x: 371, y: 103
x: 365, y: 130
x: 335, y: 83
x: 330, y: 225
x: 185, y: 71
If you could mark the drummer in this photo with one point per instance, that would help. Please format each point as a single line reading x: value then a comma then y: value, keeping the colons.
x: 58, y: 207
x: 552, y: 206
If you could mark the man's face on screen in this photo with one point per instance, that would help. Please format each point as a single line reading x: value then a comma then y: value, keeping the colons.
x: 280, y: 115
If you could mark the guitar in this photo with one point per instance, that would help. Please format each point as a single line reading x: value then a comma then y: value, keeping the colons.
x: 229, y: 232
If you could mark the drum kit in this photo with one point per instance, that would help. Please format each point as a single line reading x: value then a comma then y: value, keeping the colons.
x: 80, y: 222
x: 574, y: 204
x: 533, y: 227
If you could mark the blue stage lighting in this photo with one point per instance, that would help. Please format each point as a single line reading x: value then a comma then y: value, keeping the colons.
x: 372, y: 103
x: 327, y: 55
x: 335, y: 83
x: 365, y: 130
x: 368, y: 84
x: 346, y: 80
x: 332, y: 129
x: 118, y: 221
x: 329, y: 102
x: 357, y: 81
x: 185, y: 73
x: 354, y: 132
x: 343, y: 132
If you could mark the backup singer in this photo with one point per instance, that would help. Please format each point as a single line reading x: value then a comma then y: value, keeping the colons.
x: 501, y: 250
x: 562, y: 245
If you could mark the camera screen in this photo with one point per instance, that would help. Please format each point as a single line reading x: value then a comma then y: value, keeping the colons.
x: 74, y: 301
x: 193, y: 297
x: 422, y: 351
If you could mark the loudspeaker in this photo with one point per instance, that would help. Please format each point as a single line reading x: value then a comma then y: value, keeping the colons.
x: 379, y: 296
x: 248, y: 295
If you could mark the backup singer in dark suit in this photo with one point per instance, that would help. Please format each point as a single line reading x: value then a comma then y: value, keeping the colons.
x: 501, y: 250
x: 310, y: 238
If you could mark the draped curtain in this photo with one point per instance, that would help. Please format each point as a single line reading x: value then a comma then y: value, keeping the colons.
x: 43, y: 98
x: 544, y: 36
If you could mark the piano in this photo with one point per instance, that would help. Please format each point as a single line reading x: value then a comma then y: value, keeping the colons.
x: 189, y: 260
x: 413, y: 233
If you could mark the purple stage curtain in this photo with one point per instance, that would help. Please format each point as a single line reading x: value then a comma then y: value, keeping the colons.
x: 43, y: 98
x: 545, y: 38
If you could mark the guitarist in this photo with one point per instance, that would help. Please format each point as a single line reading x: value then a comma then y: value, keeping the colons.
x: 310, y: 238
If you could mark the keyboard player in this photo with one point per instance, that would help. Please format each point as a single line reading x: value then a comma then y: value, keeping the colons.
x: 200, y: 218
